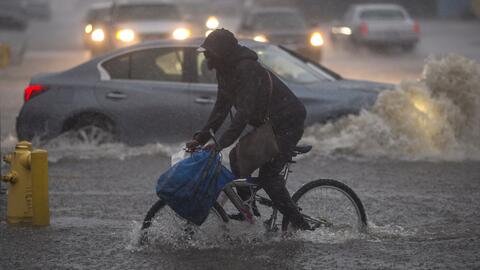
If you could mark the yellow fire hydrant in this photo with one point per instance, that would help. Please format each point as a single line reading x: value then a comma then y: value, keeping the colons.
x: 28, y: 193
x: 4, y: 55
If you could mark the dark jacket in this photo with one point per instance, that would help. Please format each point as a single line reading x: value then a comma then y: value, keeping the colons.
x: 244, y: 84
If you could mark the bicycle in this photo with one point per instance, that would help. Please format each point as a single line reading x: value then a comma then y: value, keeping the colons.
x: 333, y: 193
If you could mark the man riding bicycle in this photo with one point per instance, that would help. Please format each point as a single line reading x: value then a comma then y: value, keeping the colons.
x: 243, y: 83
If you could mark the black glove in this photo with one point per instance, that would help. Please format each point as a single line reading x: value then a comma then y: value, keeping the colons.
x: 191, y: 145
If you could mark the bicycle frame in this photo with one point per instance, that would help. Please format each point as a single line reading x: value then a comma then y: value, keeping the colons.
x: 245, y: 207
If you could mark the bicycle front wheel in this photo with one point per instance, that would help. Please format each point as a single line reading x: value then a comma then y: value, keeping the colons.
x: 329, y: 204
x: 217, y: 210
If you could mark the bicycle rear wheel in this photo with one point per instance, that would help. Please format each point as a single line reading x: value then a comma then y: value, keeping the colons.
x: 330, y: 204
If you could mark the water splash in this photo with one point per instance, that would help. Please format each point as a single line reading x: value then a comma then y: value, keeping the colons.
x: 61, y: 150
x: 170, y: 232
x: 387, y: 231
x: 436, y: 118
x: 8, y: 143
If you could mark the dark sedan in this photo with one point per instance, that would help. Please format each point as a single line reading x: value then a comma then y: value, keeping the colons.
x: 163, y: 91
x: 282, y: 26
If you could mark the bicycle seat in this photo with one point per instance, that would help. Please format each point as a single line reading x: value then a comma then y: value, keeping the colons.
x: 301, y: 149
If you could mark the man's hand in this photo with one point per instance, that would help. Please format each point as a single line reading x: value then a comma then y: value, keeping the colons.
x: 212, y: 147
x: 191, y: 145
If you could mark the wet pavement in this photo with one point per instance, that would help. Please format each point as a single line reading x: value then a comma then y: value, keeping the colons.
x: 422, y: 215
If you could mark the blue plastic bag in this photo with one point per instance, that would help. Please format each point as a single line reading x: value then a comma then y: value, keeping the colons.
x: 192, y: 186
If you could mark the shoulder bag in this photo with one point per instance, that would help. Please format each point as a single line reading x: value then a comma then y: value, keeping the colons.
x: 258, y: 146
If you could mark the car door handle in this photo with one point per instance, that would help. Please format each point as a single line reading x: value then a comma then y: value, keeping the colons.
x: 205, y: 100
x: 116, y: 95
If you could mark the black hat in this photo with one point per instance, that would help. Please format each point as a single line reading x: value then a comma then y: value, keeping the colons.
x: 219, y: 42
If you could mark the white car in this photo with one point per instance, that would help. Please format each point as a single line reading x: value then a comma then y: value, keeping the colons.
x: 137, y: 21
x: 377, y: 25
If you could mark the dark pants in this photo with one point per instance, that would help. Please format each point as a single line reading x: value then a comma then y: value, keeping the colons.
x: 271, y: 180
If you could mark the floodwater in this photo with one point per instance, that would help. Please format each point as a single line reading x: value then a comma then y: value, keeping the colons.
x: 420, y: 186
x: 422, y: 215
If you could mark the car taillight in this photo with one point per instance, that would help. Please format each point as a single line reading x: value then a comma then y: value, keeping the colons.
x: 364, y: 28
x: 32, y: 91
x: 416, y: 27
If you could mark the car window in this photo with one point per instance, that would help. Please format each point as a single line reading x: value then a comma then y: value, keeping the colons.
x: 284, y: 65
x: 204, y: 75
x: 164, y: 64
x: 99, y: 14
x: 287, y: 67
x: 382, y: 14
x: 161, y: 64
x: 146, y: 12
x: 289, y: 20
x: 118, y: 67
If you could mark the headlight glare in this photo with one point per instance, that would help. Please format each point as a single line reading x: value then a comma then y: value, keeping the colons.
x: 98, y: 35
x: 260, y: 38
x: 181, y: 33
x: 212, y: 22
x: 316, y: 39
x: 88, y: 28
x: 208, y: 32
x: 125, y: 35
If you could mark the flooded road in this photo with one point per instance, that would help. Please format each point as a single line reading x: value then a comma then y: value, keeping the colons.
x: 422, y: 206
x: 422, y: 215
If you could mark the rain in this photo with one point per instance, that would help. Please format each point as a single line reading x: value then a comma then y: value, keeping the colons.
x: 114, y: 89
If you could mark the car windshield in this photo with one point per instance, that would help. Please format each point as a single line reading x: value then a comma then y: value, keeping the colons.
x: 98, y: 14
x: 288, y: 67
x: 289, y: 20
x: 382, y: 14
x: 146, y: 12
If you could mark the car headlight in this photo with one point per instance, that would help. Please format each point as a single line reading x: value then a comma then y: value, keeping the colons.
x: 212, y: 22
x: 208, y: 32
x: 343, y: 30
x: 181, y: 33
x: 98, y: 35
x: 316, y: 39
x: 125, y: 35
x: 260, y: 38
x: 88, y: 28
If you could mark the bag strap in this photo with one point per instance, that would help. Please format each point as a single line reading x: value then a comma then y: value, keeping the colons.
x: 205, y: 170
x: 214, y: 180
x: 270, y: 92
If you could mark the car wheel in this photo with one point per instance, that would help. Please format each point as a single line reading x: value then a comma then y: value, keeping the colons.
x: 92, y: 129
x: 93, y: 134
